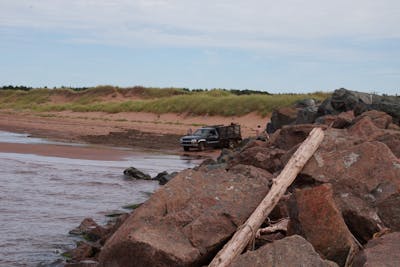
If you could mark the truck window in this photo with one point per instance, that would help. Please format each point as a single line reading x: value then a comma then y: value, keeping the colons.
x: 201, y: 132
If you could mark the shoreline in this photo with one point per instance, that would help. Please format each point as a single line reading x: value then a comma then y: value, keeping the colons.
x: 131, y: 131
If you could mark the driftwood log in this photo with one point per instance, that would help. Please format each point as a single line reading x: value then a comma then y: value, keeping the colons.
x: 248, y: 230
x: 282, y: 225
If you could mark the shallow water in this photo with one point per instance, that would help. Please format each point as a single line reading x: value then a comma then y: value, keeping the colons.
x: 42, y: 198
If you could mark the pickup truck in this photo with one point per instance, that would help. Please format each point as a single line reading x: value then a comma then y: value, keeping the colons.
x: 216, y: 136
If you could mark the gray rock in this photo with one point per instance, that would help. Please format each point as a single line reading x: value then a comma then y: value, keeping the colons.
x: 281, y: 117
x: 307, y: 115
x: 389, y: 211
x: 304, y: 103
x: 326, y: 108
x: 132, y: 172
x: 344, y: 100
x: 164, y: 177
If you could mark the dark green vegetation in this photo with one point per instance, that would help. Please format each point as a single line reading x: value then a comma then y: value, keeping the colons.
x: 156, y: 100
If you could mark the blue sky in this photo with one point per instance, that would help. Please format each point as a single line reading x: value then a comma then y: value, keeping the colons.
x: 276, y: 46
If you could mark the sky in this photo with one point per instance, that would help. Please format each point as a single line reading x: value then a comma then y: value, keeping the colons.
x: 281, y: 46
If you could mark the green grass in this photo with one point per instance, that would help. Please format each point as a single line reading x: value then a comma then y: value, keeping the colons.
x: 154, y: 100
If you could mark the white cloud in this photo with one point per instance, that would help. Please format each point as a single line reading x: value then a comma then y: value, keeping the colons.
x: 255, y: 24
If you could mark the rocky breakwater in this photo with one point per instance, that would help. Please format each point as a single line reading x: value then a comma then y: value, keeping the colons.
x: 338, y: 109
x: 342, y: 209
x: 189, y: 219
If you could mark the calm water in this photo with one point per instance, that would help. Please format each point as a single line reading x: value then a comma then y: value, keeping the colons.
x: 42, y: 198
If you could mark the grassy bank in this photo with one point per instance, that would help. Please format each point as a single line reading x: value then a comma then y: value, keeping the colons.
x: 156, y: 100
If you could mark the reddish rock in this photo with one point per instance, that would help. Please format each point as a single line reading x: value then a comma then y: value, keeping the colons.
x: 326, y: 119
x: 81, y: 252
x: 379, y: 118
x: 361, y: 167
x: 365, y: 129
x: 315, y: 216
x: 291, y: 135
x: 90, y: 230
x: 389, y: 211
x: 86, y: 225
x: 188, y: 220
x: 393, y: 126
x: 380, y: 252
x: 255, y: 143
x: 261, y: 157
x: 290, y: 251
x: 358, y: 174
x: 113, y: 226
x: 392, y: 140
x: 343, y: 120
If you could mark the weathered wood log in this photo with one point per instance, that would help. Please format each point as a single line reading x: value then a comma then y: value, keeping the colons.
x: 248, y: 230
x: 282, y: 225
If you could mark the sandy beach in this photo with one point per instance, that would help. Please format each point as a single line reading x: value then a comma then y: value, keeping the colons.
x: 129, y: 130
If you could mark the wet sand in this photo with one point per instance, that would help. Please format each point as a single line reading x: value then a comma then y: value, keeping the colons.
x: 143, y: 131
x: 64, y: 151
x: 78, y: 126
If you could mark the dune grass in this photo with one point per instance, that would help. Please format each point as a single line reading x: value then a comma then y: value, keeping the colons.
x: 155, y: 100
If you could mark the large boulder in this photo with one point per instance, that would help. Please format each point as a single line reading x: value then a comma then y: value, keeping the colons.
x: 340, y: 121
x: 291, y: 135
x: 345, y: 100
x: 372, y: 125
x: 343, y: 120
x: 314, y: 215
x: 388, y: 104
x: 365, y: 129
x: 307, y: 115
x: 189, y: 219
x: 392, y: 140
x: 290, y: 251
x: 361, y: 168
x: 361, y: 173
x: 380, y: 252
x: 303, y: 112
x: 380, y: 119
x: 281, y: 117
x: 326, y: 108
x: 261, y: 157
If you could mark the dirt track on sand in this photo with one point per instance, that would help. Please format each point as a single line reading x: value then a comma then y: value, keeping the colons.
x: 139, y: 130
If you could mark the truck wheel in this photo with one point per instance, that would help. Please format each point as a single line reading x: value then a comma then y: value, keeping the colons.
x: 186, y: 148
x: 201, y: 146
